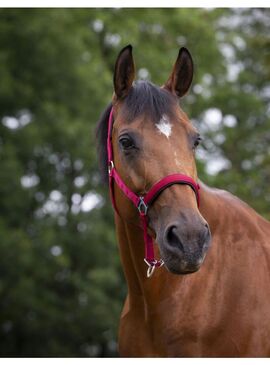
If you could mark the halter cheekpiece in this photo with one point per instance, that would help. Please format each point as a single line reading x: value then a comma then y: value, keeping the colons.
x: 142, y: 203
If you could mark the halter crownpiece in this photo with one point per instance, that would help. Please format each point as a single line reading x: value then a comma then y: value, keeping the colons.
x: 142, y: 203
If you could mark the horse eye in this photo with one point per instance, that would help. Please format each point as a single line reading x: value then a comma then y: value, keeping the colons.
x: 197, y: 142
x: 126, y: 143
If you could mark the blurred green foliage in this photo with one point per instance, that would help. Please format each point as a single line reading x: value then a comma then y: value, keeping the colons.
x: 61, y: 283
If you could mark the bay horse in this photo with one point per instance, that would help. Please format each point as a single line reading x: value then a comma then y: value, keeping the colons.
x: 209, y: 293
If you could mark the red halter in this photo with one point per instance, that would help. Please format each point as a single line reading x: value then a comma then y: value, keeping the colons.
x: 142, y: 203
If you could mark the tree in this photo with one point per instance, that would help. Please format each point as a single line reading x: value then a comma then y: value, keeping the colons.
x: 242, y: 97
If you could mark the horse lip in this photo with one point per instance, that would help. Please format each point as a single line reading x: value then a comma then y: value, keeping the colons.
x: 181, y: 265
x: 180, y: 271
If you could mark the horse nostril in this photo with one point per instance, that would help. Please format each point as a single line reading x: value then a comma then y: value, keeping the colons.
x: 205, y: 233
x: 207, y: 230
x: 187, y: 239
x: 172, y: 237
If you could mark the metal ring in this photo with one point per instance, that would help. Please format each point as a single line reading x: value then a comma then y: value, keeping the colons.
x: 151, y: 267
x: 110, y: 167
x: 150, y: 271
x: 161, y: 262
x: 142, y: 207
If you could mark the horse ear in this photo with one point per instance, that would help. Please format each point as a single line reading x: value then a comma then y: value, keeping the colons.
x: 182, y: 74
x: 124, y: 72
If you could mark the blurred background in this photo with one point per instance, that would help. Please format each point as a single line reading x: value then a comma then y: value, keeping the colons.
x: 61, y: 283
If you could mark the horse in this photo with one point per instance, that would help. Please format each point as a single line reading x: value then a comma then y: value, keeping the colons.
x: 201, y: 285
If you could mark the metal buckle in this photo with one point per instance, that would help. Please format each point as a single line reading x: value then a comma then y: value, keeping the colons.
x: 110, y: 167
x: 142, y: 207
x: 152, y: 266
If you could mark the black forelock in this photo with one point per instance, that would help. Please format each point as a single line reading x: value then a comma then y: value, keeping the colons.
x: 144, y: 98
x: 148, y: 99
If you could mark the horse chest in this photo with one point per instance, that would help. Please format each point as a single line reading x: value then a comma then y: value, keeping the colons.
x: 182, y: 326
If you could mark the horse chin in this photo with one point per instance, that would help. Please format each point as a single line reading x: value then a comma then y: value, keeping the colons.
x: 180, y: 266
x: 179, y: 271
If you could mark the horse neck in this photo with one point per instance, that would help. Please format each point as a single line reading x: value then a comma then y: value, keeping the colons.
x: 131, y: 245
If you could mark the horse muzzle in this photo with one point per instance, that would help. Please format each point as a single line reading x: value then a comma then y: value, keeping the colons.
x: 183, y: 247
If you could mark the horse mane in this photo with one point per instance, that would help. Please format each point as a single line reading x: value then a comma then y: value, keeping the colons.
x: 143, y: 98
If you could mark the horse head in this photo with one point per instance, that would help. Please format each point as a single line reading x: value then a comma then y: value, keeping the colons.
x: 152, y: 138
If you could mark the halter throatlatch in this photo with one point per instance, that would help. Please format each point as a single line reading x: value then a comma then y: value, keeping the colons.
x: 142, y: 203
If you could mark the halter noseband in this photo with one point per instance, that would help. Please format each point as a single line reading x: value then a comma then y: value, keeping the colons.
x: 142, y: 203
